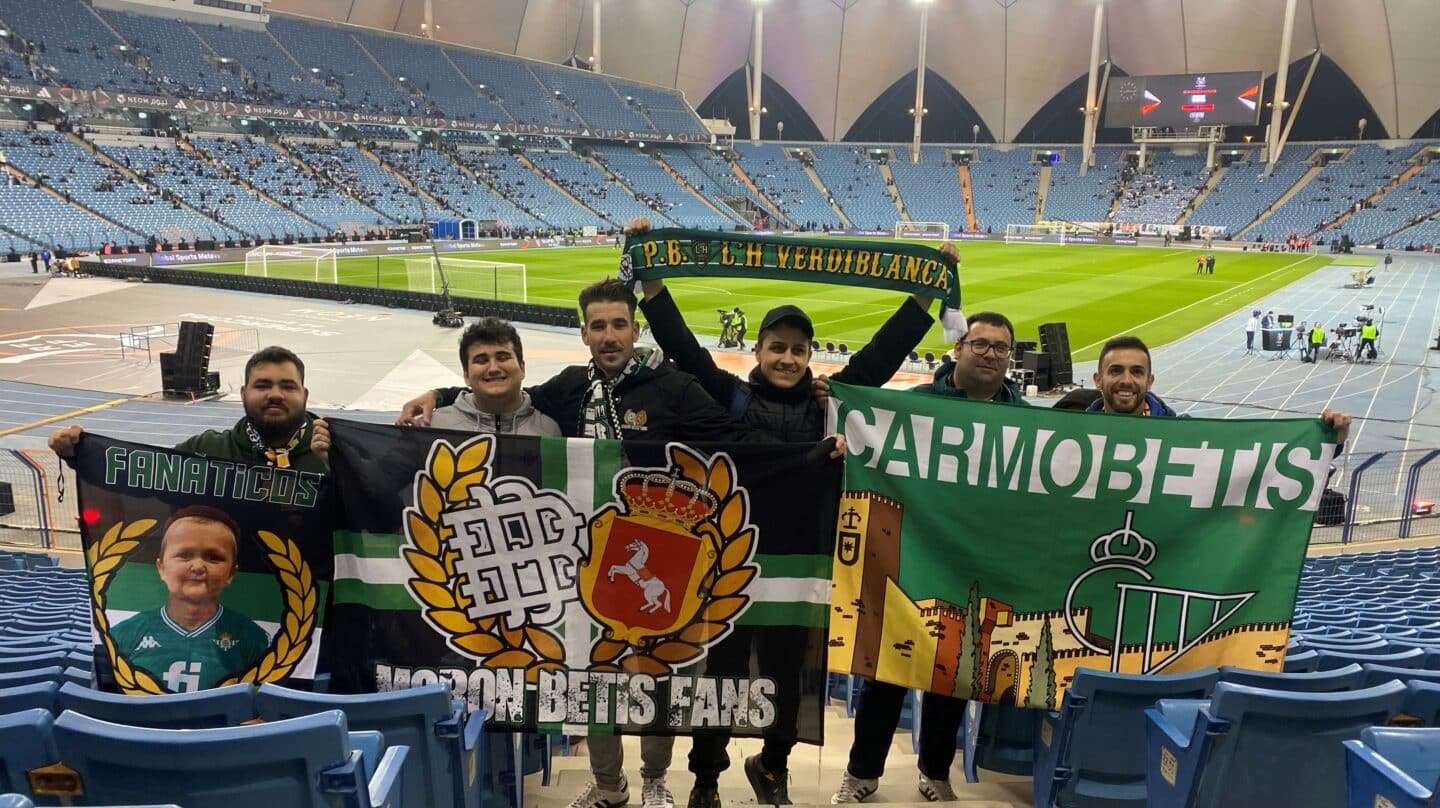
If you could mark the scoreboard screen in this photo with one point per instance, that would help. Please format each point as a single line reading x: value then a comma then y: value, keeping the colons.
x: 1184, y: 101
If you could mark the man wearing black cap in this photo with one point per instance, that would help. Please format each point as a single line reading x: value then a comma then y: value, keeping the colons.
x: 777, y: 398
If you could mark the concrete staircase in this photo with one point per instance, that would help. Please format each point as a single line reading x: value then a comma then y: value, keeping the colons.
x: 825, y: 194
x: 224, y: 168
x: 894, y: 191
x: 1415, y: 168
x: 683, y: 183
x: 549, y: 180
x: 967, y: 190
x: 814, y: 774
x: 739, y: 172
x: 1042, y: 192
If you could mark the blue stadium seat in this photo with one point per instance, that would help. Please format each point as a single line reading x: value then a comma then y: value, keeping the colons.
x: 49, y: 673
x: 1422, y: 702
x: 308, y: 761
x: 39, y: 695
x: 15, y: 801
x: 1394, y: 767
x: 1378, y: 674
x: 25, y: 744
x: 1240, y: 748
x: 442, y: 768
x: 1411, y: 658
x: 999, y: 738
x: 218, y: 707
x: 1092, y: 752
x: 1330, y: 681
x: 19, y: 664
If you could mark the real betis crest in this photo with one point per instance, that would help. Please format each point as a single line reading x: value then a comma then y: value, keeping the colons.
x: 500, y: 565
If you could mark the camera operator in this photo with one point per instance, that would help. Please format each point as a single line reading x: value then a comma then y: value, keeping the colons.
x: 1369, y: 332
x: 727, y: 328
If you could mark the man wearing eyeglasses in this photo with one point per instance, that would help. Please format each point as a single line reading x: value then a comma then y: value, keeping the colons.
x: 978, y: 373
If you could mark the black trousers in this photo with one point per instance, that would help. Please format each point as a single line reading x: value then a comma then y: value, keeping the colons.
x: 878, y: 714
x: 787, y: 653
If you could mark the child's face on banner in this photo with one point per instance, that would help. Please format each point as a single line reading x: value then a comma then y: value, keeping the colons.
x: 197, y: 560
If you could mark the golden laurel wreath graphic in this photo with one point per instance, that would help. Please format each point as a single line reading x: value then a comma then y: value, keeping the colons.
x: 444, y: 484
x: 721, y: 590
x: 286, y: 649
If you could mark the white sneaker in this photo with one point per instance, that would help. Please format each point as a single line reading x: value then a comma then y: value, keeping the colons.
x: 854, y: 789
x: 937, y: 790
x: 654, y: 794
x: 596, y: 797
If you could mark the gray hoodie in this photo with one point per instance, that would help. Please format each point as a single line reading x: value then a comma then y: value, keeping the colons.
x: 525, y: 420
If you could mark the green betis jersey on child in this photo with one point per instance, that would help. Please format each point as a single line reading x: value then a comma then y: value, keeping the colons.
x: 187, y: 661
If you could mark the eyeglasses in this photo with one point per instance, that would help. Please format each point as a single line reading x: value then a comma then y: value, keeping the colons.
x: 980, y: 347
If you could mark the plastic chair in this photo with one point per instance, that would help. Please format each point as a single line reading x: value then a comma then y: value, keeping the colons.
x: 20, y: 664
x: 1092, y: 752
x: 1331, y: 681
x: 219, y: 707
x: 1390, y: 766
x: 38, y: 695
x: 1411, y: 658
x: 1239, y: 749
x: 999, y: 738
x: 299, y: 763
x: 1422, y: 701
x: 25, y: 744
x: 1303, y: 662
x: 1379, y: 674
x: 443, y: 765
x: 49, y: 673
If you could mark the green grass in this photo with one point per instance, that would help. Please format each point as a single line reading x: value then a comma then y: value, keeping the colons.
x: 1098, y: 291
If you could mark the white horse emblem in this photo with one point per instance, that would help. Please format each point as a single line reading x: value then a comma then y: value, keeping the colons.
x: 657, y: 595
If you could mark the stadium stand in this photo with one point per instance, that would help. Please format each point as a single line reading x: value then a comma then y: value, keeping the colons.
x: 337, y: 53
x: 1160, y: 194
x: 1414, y: 199
x: 207, y: 188
x: 1335, y: 189
x: 271, y: 170
x: 1004, y: 186
x: 931, y: 188
x: 272, y: 75
x: 347, y: 167
x: 79, y: 176
x: 854, y: 181
x: 511, y: 84
x: 443, y: 179
x: 784, y: 181
x: 665, y: 109
x: 1074, y: 198
x: 593, y: 100
x: 548, y: 205
x: 590, y: 184
x: 73, y: 47
x: 180, y: 62
x: 424, y: 69
x: 1424, y: 234
x: 1245, y: 193
x: 655, y: 187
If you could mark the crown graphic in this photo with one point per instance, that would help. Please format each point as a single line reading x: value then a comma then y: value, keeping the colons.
x: 668, y: 498
x: 1125, y: 545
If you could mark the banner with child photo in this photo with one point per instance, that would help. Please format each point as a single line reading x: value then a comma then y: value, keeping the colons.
x: 203, y: 572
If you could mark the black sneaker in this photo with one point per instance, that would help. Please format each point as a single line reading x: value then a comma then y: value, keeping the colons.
x: 704, y: 797
x: 770, y: 787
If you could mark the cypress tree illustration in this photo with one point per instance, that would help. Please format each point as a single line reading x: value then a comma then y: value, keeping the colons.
x: 1041, y: 692
x: 967, y: 663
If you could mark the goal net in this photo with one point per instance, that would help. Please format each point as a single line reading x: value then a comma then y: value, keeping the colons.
x: 938, y: 230
x: 1050, y: 233
x: 469, y: 277
x: 292, y: 262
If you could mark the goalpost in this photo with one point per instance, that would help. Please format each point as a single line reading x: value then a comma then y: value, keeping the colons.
x: 937, y: 230
x: 469, y: 277
x: 1049, y: 232
x: 292, y: 262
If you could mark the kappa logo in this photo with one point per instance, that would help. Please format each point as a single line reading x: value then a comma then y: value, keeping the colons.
x: 147, y: 643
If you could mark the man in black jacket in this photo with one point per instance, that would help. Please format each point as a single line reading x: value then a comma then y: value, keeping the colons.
x: 777, y: 398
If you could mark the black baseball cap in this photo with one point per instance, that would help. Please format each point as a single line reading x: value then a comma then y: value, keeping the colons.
x: 788, y: 314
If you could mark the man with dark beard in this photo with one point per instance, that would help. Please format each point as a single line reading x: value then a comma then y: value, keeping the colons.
x: 276, y: 429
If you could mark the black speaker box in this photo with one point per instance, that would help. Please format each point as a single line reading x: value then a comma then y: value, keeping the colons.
x: 1054, y: 339
x: 204, y: 244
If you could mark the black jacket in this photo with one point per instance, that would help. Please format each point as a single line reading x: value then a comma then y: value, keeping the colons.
x: 658, y: 403
x: 792, y: 414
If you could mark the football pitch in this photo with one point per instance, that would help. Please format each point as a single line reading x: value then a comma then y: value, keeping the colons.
x: 1098, y: 292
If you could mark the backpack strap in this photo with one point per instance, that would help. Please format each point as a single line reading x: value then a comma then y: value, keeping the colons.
x: 740, y: 401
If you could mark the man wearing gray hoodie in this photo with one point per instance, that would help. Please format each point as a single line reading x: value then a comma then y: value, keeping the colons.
x: 493, y: 362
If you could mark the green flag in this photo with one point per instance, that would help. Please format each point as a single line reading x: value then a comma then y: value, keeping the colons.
x: 988, y: 552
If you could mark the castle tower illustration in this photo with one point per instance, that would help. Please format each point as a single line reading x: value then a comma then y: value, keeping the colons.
x: 868, y: 541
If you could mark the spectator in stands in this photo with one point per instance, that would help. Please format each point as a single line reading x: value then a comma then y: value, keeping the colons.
x: 492, y: 360
x: 276, y: 429
x: 778, y: 398
x: 977, y: 373
x: 192, y: 642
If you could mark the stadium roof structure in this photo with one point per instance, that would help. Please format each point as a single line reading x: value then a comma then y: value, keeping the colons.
x: 1007, y: 58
